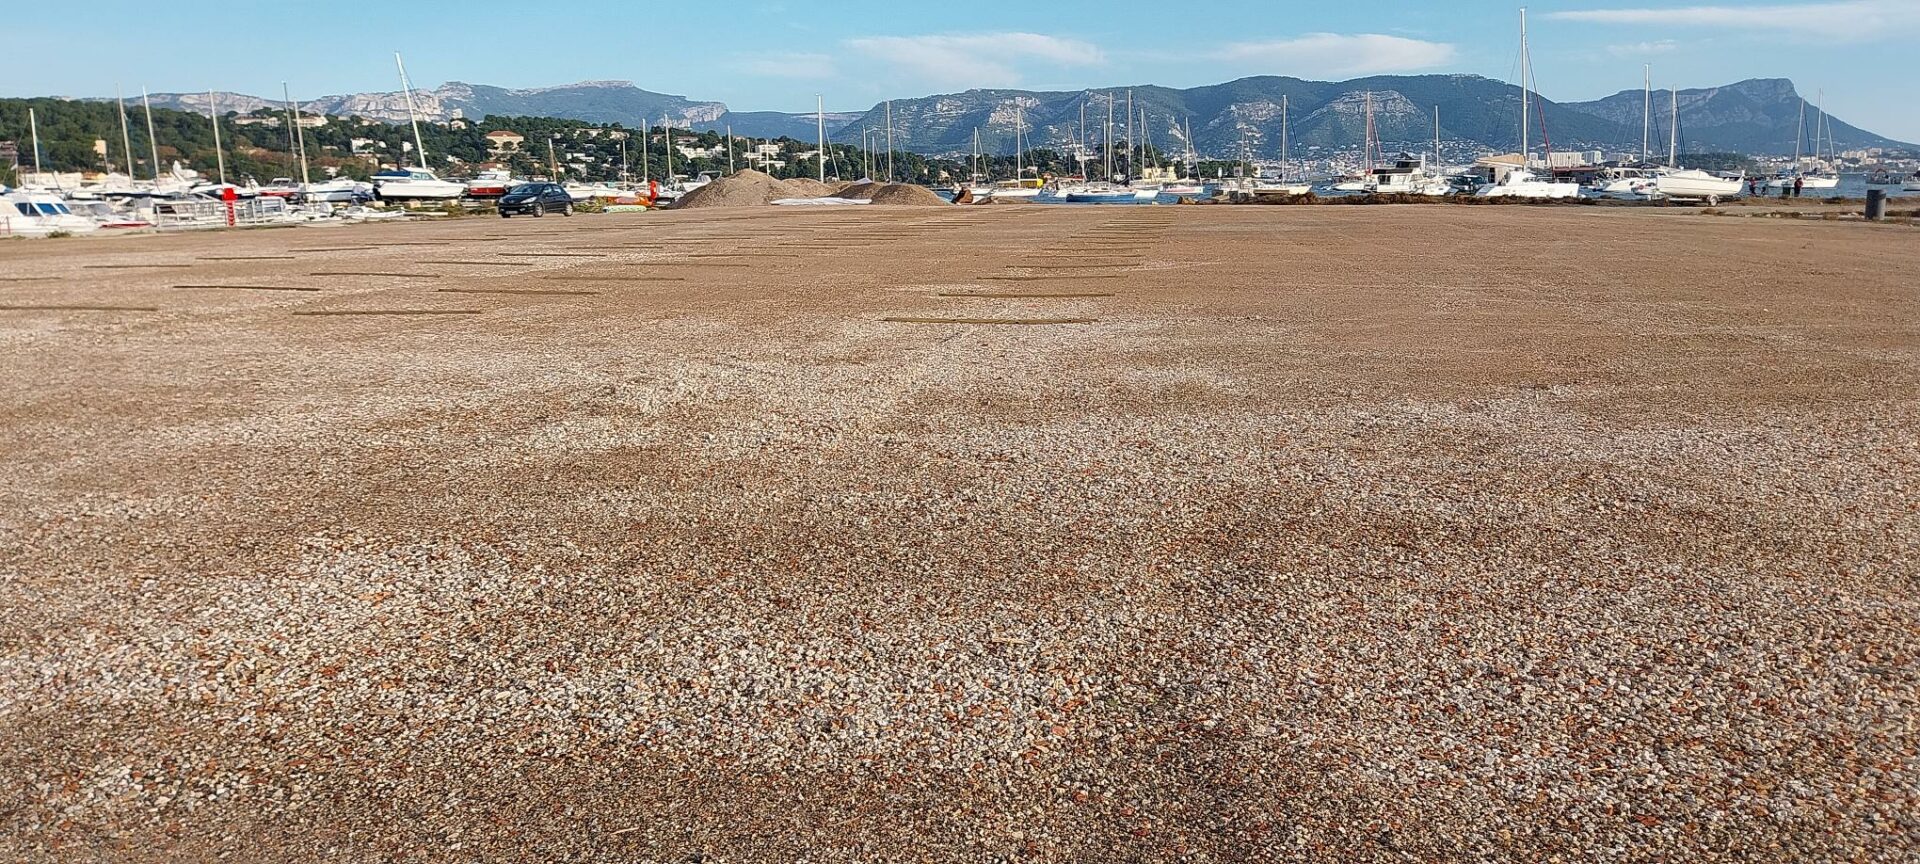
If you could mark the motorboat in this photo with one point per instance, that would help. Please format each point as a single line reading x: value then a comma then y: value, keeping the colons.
x: 1098, y: 193
x: 1184, y: 189
x: 1691, y: 184
x: 1912, y: 184
x: 1521, y: 183
x: 1407, y: 176
x: 587, y: 191
x: 105, y: 215
x: 491, y: 183
x: 342, y: 190
x: 415, y: 184
x: 1279, y: 189
x: 281, y: 187
x: 1626, y: 181
x: 26, y: 213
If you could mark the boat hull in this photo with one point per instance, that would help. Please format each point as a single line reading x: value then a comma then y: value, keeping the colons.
x: 1697, y: 186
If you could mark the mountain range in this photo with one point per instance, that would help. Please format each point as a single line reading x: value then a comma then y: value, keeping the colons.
x: 1757, y: 116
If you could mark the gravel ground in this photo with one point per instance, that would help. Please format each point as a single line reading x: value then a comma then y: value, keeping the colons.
x: 1329, y: 534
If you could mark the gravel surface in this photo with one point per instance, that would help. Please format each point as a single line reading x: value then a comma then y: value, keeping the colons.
x: 1332, y: 534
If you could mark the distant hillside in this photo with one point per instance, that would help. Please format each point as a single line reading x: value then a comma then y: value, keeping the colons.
x: 1751, y: 116
x: 1756, y: 116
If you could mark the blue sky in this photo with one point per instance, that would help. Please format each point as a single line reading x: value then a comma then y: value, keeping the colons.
x: 777, y: 55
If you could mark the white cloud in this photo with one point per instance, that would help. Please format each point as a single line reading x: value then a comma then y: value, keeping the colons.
x: 976, y: 60
x: 809, y: 66
x: 1642, y: 49
x: 1337, y: 55
x: 1850, y: 20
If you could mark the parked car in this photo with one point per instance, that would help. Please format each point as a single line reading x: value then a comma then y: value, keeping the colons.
x: 538, y: 199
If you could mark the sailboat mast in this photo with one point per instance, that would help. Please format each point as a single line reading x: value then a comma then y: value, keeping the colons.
x: 669, y: 124
x: 1108, y: 139
x: 1526, y: 85
x: 218, y: 154
x: 1646, y: 119
x: 1367, y: 142
x: 1019, y: 125
x: 406, y: 88
x: 1673, y: 139
x: 889, y: 140
x: 1800, y: 137
x: 299, y: 137
x: 1436, y: 137
x: 126, y: 137
x: 1131, y: 146
x: 33, y: 124
x: 820, y: 115
x: 153, y: 140
x: 1284, y: 141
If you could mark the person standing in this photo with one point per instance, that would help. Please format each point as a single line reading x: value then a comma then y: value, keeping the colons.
x: 1798, y: 184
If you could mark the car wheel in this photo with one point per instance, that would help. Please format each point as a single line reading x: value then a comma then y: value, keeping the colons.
x: 566, y: 209
x: 539, y: 209
x: 505, y: 215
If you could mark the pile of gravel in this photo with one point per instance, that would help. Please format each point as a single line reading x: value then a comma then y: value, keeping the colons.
x: 899, y: 194
x: 748, y: 188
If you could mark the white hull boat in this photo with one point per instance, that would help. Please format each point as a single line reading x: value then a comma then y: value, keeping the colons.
x: 416, y: 184
x: 1807, y: 181
x: 38, y: 214
x: 1281, y: 190
x: 1521, y: 183
x: 1696, y: 185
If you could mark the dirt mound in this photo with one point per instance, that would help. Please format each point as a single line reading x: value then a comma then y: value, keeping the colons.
x: 748, y: 188
x: 898, y: 194
x: 902, y: 194
x: 808, y: 188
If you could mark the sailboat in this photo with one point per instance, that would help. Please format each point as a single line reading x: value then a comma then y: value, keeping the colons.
x: 1809, y: 179
x: 1637, y: 180
x: 1521, y: 182
x: 1020, y: 188
x: 414, y: 184
x: 1691, y: 184
x: 1283, y: 187
x: 1184, y: 186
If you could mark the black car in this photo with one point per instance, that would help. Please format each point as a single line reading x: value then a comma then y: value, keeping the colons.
x: 536, y: 198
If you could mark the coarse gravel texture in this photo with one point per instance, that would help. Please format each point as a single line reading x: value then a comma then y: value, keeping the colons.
x: 1339, y: 534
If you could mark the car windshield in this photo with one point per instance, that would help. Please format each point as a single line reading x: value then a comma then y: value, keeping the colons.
x: 528, y: 188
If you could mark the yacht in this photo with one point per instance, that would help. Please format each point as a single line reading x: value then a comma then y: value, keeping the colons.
x: 1627, y: 181
x: 341, y: 190
x: 415, y: 184
x: 26, y: 213
x: 1408, y: 176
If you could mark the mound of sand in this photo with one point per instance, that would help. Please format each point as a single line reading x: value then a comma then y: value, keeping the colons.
x: 748, y: 188
x: 808, y: 188
x: 897, y: 194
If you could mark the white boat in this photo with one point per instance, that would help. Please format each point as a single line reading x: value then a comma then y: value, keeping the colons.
x: 1808, y: 177
x: 1695, y: 185
x: 1521, y: 183
x: 1024, y: 189
x: 1808, y: 180
x: 588, y: 191
x: 1625, y: 181
x: 415, y: 184
x: 1184, y: 189
x: 1912, y: 184
x: 343, y: 190
x: 1690, y: 184
x: 25, y: 213
x: 1279, y: 189
x: 1407, y: 176
x: 105, y: 215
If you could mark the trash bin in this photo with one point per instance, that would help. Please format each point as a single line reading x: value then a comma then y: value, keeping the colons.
x: 1876, y: 204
